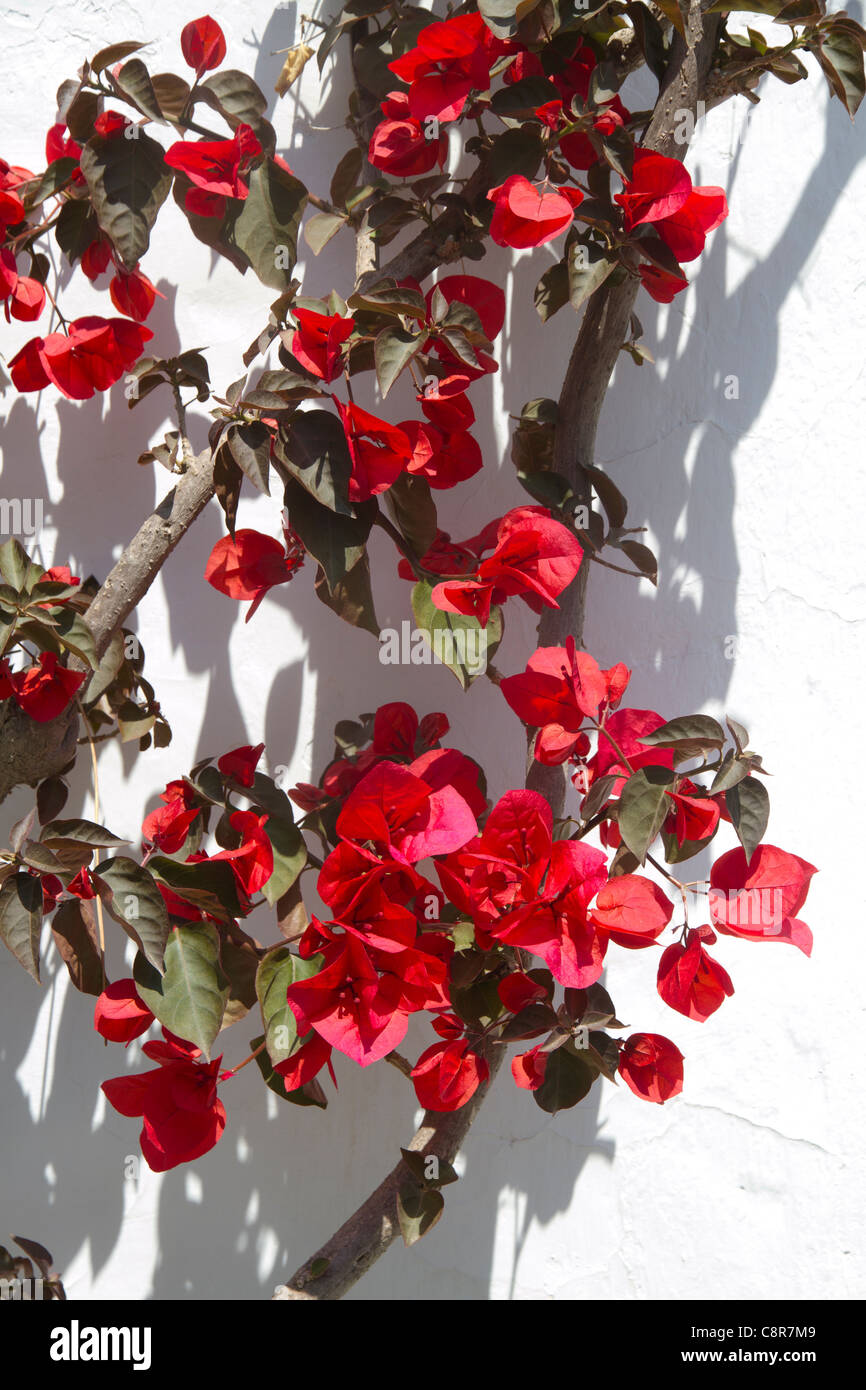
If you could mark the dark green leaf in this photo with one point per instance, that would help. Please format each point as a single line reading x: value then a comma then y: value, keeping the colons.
x: 114, y: 53
x: 290, y: 856
x: 267, y: 228
x: 748, y: 805
x: 411, y: 504
x: 74, y: 931
x: 691, y: 735
x: 642, y: 807
x: 21, y: 919
x: 351, y: 598
x: 250, y: 447
x: 587, y: 269
x: 458, y: 642
x: 209, y: 885
x: 190, y: 998
x: 552, y: 290
x: 86, y: 832
x: 134, y: 901
x: 134, y: 81
x: 567, y: 1079
x: 393, y: 350
x: 128, y: 182
x: 418, y: 1210
x: 313, y: 449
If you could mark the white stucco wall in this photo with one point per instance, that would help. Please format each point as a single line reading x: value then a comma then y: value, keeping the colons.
x: 750, y: 1184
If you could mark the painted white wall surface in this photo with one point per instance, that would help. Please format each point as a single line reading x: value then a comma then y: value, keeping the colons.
x: 751, y: 1183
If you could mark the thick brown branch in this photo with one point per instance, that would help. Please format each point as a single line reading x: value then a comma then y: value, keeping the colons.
x: 603, y: 330
x: 149, y: 549
x: 369, y: 1232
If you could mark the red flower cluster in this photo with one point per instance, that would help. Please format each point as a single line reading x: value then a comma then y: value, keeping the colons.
x: 218, y: 169
x: 90, y: 356
x: 249, y: 564
x: 525, y: 889
x: 533, y: 556
x: 183, y: 1117
x: 452, y: 58
x: 23, y: 297
x: 559, y: 690
x: 318, y: 341
x: 524, y: 215
x: 660, y: 192
x: 399, y: 735
x: 203, y: 45
x: 44, y: 690
x: 400, y: 145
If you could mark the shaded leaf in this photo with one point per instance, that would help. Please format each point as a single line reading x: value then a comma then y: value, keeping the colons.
x: 132, y: 898
x: 74, y: 930
x: 21, y: 919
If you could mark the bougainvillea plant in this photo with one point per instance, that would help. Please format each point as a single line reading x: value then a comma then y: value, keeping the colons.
x: 495, y: 918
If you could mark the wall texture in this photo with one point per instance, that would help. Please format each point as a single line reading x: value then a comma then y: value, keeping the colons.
x: 750, y: 1184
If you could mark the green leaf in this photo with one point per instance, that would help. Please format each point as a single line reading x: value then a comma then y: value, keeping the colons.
x: 841, y: 59
x: 250, y: 447
x: 290, y: 856
x: 74, y: 932
x: 642, y: 807
x: 58, y: 173
x: 16, y: 567
x: 418, y: 1210
x: 321, y: 227
x: 552, y: 291
x: 650, y: 37
x: 516, y: 151
x: 310, y: 1094
x: 209, y: 885
x: 172, y: 95
x: 521, y: 100
x: 190, y: 998
x: 411, y: 504
x: 731, y: 771
x: 74, y: 634
x: 21, y: 919
x: 567, y: 1079
x: 393, y: 350
x: 346, y: 175
x: 313, y: 449
x: 748, y: 805
x: 458, y: 642
x: 134, y: 81
x: 85, y: 832
x: 641, y: 557
x: 587, y: 269
x: 389, y: 298
x: 114, y: 53
x: 692, y: 735
x: 128, y: 182
x: 351, y: 598
x: 615, y: 505
x: 279, y: 969
x: 134, y: 901
x: 267, y: 228
x: 239, y: 100
x: 336, y: 541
